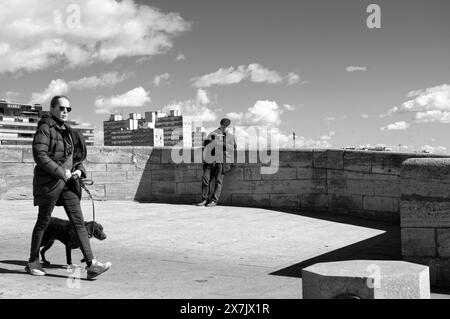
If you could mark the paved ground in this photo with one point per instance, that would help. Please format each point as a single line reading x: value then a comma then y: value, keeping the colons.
x: 180, y: 251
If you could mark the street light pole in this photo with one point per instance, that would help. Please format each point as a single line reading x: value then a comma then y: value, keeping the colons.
x: 293, y: 136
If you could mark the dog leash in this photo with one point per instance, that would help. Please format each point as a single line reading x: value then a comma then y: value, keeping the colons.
x: 83, y: 183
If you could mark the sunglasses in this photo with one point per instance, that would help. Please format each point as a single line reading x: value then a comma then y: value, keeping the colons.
x: 62, y: 108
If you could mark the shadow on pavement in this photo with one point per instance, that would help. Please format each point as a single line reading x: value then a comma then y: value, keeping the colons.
x: 22, y: 271
x: 386, y: 246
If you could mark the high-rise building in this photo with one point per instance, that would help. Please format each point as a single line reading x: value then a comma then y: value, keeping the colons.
x: 155, y: 129
x: 198, y: 136
x: 177, y: 129
x: 18, y: 123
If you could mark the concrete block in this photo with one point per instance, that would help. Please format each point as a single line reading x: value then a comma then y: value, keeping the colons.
x: 443, y: 242
x: 360, y: 187
x: 169, y: 188
x: 123, y: 190
x: 230, y: 186
x: 109, y: 177
x: 418, y: 242
x: 387, y: 188
x: 366, y: 279
x: 250, y: 200
x: 95, y: 167
x: 345, y: 201
x: 252, y: 173
x: 336, y: 181
x: 10, y: 155
x: 114, y: 167
x: 303, y: 186
x: 17, y: 193
x: 296, y: 158
x: 381, y: 204
x: 285, y: 201
x: 18, y: 181
x: 110, y: 155
x: 27, y: 155
x: 266, y: 187
x: 335, y: 159
x: 235, y: 174
x: 283, y: 173
x: 426, y: 169
x: 314, y: 201
x: 425, y: 188
x: 16, y: 168
x: 97, y: 191
x: 357, y: 161
x: 311, y: 173
x: 422, y: 213
x: 320, y: 158
x: 383, y: 163
x: 189, y: 188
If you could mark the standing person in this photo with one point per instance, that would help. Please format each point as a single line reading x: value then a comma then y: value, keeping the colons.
x: 59, y: 151
x: 220, y: 146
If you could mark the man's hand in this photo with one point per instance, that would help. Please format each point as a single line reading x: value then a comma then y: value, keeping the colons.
x: 68, y: 174
x: 77, y: 173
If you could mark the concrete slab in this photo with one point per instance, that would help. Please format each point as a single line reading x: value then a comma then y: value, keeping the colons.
x: 180, y: 251
x: 366, y: 279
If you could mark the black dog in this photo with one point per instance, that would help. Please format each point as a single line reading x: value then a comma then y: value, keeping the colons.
x: 62, y: 230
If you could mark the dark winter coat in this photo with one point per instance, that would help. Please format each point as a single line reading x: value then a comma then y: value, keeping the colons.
x: 50, y: 151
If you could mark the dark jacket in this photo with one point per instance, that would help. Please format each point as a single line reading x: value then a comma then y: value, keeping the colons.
x: 50, y: 151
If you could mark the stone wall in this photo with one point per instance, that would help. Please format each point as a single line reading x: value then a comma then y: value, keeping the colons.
x: 366, y: 184
x: 425, y: 216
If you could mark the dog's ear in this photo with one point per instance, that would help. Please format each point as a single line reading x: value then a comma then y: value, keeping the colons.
x: 90, y: 228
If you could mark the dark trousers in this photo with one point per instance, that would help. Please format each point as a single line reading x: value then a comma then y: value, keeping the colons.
x: 71, y: 204
x: 211, y: 171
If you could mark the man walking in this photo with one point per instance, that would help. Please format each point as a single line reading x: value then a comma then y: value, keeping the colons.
x: 218, y: 154
x: 59, y: 152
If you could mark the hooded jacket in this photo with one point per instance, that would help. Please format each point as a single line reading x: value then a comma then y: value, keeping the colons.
x: 50, y: 151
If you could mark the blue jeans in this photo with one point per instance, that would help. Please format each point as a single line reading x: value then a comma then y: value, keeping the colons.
x: 211, y: 171
x: 71, y: 204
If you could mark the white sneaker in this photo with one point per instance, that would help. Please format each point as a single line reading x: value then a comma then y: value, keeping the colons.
x: 35, y: 268
x: 97, y: 268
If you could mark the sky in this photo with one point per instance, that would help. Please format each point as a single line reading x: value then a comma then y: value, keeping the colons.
x: 310, y: 67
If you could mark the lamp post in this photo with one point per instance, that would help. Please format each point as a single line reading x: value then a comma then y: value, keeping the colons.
x: 293, y: 137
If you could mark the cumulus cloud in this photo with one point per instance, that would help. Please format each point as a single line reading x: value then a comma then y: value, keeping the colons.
x: 431, y: 104
x: 365, y: 116
x: 432, y: 116
x: 202, y: 96
x: 254, y: 72
x: 257, y: 138
x: 104, y: 80
x: 292, y: 78
x: 60, y: 86
x: 180, y: 57
x: 259, y: 74
x: 52, y: 32
x: 398, y: 126
x: 136, y: 97
x: 354, y: 68
x: 56, y: 87
x: 198, y: 108
x: 264, y: 113
x: 161, y: 79
x: 289, y: 107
